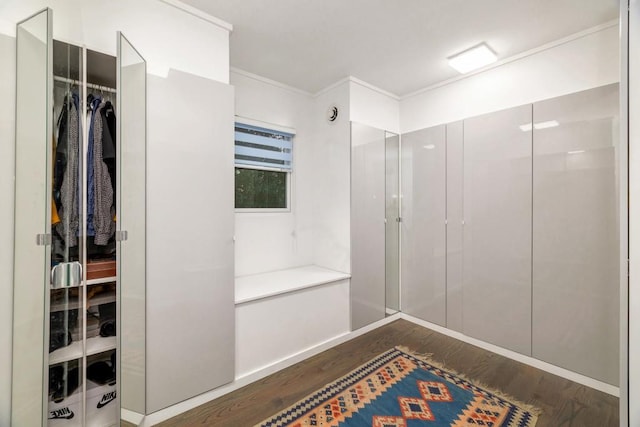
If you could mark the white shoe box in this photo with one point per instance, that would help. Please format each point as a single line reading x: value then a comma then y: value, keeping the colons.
x: 103, y: 408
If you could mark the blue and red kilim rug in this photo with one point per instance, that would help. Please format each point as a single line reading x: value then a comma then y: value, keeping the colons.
x: 399, y: 388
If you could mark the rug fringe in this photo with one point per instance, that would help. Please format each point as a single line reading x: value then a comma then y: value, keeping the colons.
x: 428, y: 358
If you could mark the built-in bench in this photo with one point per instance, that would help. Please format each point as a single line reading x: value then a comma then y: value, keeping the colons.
x: 284, y: 313
x: 265, y: 285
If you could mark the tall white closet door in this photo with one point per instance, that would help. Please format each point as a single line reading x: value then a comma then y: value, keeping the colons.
x: 423, y: 224
x: 132, y: 216
x: 455, y: 188
x: 497, y: 230
x: 392, y: 229
x: 575, y: 233
x: 190, y: 288
x: 33, y: 205
x: 367, y: 225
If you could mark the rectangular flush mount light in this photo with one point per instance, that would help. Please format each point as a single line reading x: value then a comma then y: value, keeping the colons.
x: 472, y: 59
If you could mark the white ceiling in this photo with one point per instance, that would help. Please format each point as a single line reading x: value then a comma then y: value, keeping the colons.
x: 397, y: 45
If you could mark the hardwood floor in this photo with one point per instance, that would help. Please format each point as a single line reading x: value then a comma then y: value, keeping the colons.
x: 564, y: 403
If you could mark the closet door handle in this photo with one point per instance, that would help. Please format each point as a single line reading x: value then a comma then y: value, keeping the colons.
x: 66, y: 274
x: 43, y: 239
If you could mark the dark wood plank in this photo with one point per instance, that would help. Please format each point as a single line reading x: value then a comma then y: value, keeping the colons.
x: 564, y: 403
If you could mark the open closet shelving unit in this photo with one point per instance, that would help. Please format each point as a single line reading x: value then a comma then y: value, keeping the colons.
x: 75, y: 148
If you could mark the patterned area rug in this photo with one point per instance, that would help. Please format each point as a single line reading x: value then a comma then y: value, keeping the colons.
x: 399, y: 388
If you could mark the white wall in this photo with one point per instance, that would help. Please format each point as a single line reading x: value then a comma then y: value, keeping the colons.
x: 332, y: 181
x: 373, y: 107
x: 273, y: 241
x: 584, y: 63
x: 7, y: 167
x: 189, y: 43
x: 276, y: 241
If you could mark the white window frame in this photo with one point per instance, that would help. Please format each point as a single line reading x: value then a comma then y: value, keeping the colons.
x: 289, y: 174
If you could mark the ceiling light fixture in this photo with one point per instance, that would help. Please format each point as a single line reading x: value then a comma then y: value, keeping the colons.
x: 575, y: 152
x: 430, y: 147
x: 472, y: 59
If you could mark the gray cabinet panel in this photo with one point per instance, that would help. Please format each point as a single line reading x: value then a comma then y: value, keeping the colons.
x: 367, y: 225
x: 190, y: 288
x: 392, y: 232
x: 575, y: 233
x: 423, y: 224
x: 455, y: 169
x: 497, y: 231
x: 132, y: 215
x: 33, y: 217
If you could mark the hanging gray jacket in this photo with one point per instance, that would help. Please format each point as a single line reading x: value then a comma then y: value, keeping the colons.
x: 104, y: 206
x: 69, y: 191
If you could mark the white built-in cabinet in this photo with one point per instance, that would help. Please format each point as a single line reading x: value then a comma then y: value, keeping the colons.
x: 510, y: 229
x: 80, y: 221
x: 175, y: 321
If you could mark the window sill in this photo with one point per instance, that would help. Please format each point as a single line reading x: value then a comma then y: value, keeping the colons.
x: 264, y: 285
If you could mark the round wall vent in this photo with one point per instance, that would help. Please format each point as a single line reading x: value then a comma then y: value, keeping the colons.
x: 332, y: 113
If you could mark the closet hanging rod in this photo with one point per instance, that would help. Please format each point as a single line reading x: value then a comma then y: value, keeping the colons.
x: 89, y: 85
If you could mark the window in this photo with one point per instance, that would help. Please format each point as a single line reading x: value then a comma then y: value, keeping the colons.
x: 263, y: 160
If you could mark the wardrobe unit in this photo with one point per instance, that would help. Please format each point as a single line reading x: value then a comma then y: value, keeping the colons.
x: 79, y: 254
x: 510, y: 229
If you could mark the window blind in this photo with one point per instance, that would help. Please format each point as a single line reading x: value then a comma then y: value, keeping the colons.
x: 263, y: 148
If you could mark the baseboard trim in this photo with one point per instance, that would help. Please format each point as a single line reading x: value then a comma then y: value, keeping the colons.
x: 131, y: 417
x: 390, y: 311
x: 527, y: 360
x: 246, y: 379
